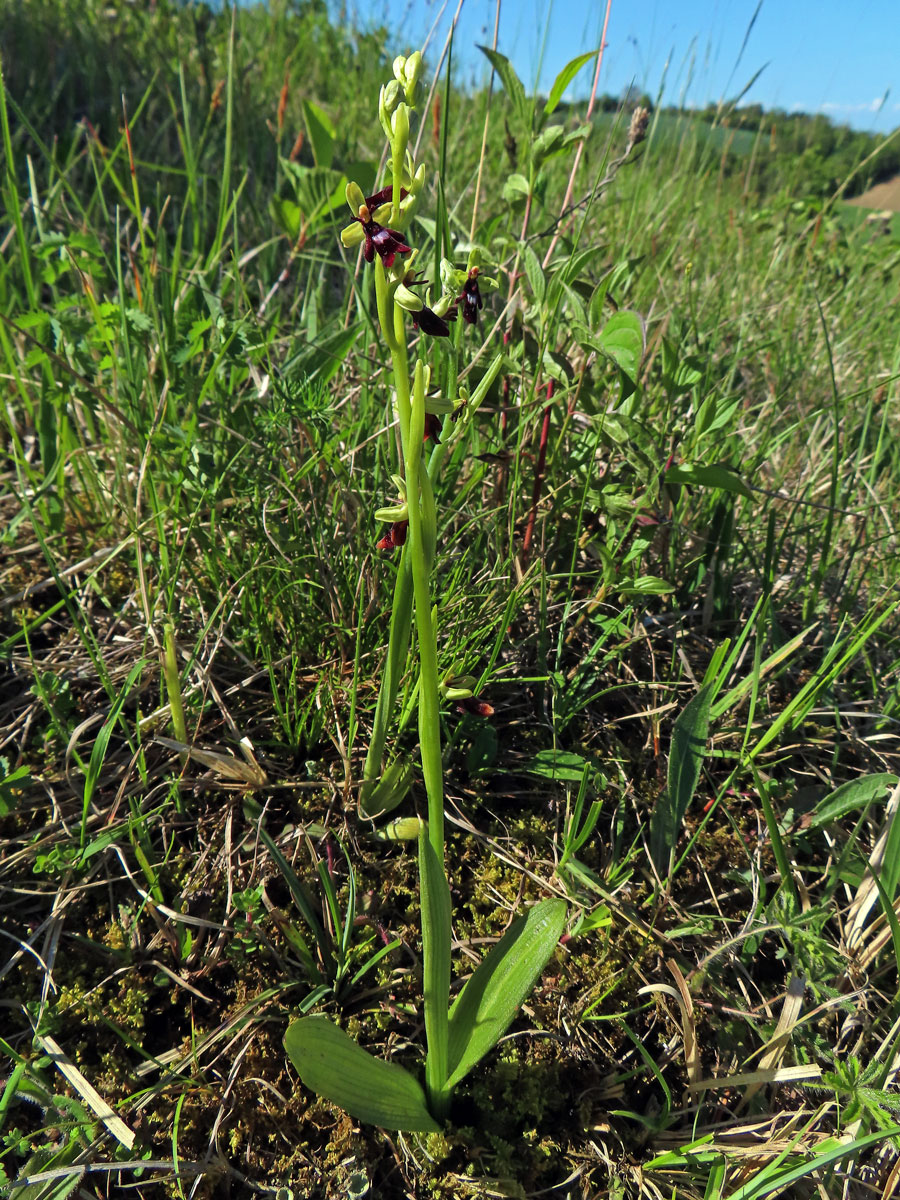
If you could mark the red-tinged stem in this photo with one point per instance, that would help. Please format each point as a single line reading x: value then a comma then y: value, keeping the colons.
x: 539, y: 471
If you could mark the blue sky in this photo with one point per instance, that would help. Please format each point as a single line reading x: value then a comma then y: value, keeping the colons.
x: 819, y: 55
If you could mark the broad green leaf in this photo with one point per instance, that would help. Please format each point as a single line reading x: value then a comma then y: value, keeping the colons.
x: 500, y: 984
x: 547, y: 143
x: 858, y: 793
x: 622, y: 340
x: 685, y: 760
x: 321, y: 131
x: 436, y: 937
x: 564, y: 78
x: 511, y: 83
x: 712, y: 476
x: 515, y: 188
x: 333, y: 1066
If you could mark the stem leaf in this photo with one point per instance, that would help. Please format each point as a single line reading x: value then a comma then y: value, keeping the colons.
x: 333, y: 1066
x: 564, y: 78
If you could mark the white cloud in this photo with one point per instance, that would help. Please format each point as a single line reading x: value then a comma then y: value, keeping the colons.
x: 870, y: 106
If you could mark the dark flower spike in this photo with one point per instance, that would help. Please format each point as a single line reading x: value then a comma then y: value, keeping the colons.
x: 429, y: 322
x: 470, y: 298
x: 478, y: 708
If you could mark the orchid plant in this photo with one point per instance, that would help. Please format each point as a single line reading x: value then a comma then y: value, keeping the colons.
x: 329, y: 1062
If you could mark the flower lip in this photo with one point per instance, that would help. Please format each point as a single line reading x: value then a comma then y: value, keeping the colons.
x: 478, y: 708
x: 470, y: 298
x: 429, y: 322
x: 386, y: 243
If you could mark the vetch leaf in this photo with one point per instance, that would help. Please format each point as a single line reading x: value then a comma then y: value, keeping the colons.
x: 495, y: 992
x: 712, y: 476
x: 537, y: 281
x: 685, y: 760
x: 622, y: 340
x: 333, y: 1066
x: 564, y: 78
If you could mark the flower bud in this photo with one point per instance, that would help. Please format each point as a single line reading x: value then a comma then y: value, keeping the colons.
x: 411, y: 75
x: 398, y: 67
x: 400, y: 125
x: 390, y: 97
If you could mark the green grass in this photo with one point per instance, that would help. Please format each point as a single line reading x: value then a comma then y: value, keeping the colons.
x: 695, y: 672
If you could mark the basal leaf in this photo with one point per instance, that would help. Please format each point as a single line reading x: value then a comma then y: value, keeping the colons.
x: 685, y: 760
x: 564, y: 78
x: 646, y: 585
x: 333, y: 1066
x: 858, y: 793
x: 496, y: 991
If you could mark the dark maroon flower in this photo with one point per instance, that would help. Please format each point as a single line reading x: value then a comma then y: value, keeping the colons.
x: 478, y: 708
x: 432, y: 429
x: 386, y: 243
x: 470, y: 298
x: 430, y: 322
x: 394, y: 538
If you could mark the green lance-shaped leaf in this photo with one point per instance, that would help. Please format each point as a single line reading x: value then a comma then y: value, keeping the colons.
x: 499, y: 986
x: 622, y: 340
x: 564, y: 78
x: 685, y: 760
x: 333, y: 1066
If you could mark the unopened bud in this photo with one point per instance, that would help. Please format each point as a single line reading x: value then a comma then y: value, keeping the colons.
x: 400, y: 124
x: 390, y: 96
